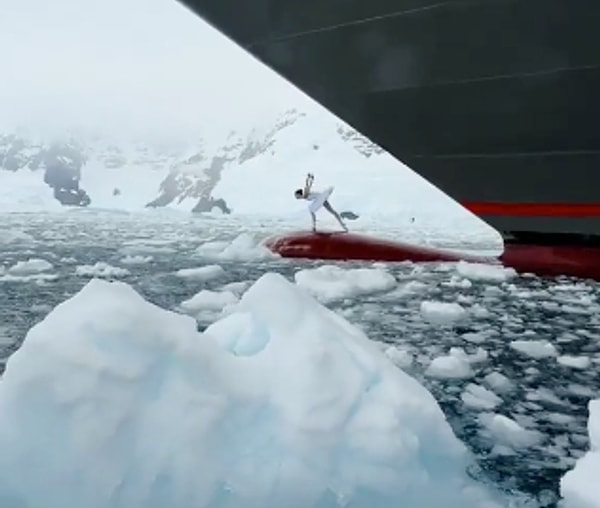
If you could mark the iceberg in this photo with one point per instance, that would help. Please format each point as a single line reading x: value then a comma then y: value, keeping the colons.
x: 579, y: 487
x: 113, y: 402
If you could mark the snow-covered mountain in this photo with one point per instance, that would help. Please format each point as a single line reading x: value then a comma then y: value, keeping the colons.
x: 251, y: 172
x: 59, y: 164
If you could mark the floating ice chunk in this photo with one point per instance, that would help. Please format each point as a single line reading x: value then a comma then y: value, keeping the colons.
x: 100, y: 269
x: 544, y: 395
x: 5, y: 339
x: 330, y: 282
x: 442, y: 313
x: 400, y: 357
x: 575, y: 362
x: 39, y: 278
x: 243, y: 248
x: 30, y: 267
x: 508, y: 432
x: 581, y: 390
x: 580, y: 487
x: 112, y: 401
x: 237, y: 288
x: 16, y: 236
x: 572, y: 309
x: 209, y: 300
x: 451, y: 366
x: 479, y: 356
x: 136, y: 260
x: 534, y: 348
x: 560, y: 418
x: 491, y: 292
x: 499, y: 382
x: 475, y: 337
x: 482, y: 271
x: 479, y: 311
x: 457, y: 282
x: 478, y: 397
x: 203, y: 273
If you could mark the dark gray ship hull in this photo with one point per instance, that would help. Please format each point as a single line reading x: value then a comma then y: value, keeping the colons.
x: 493, y: 101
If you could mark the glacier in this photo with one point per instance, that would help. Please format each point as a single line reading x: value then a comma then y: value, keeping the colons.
x: 112, y: 401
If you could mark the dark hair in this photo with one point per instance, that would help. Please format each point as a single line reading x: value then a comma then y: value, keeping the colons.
x: 298, y: 193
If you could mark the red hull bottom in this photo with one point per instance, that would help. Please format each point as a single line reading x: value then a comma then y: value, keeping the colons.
x: 583, y: 262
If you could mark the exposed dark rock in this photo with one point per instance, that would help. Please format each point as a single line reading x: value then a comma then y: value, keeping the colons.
x: 63, y: 163
x: 208, y: 204
x: 16, y: 154
x: 194, y: 177
x: 348, y: 215
x: 257, y: 145
x: 72, y: 197
x: 360, y: 143
x: 185, y: 180
x: 197, y: 176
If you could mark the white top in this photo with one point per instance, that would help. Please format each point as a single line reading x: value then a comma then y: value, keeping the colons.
x: 318, y: 198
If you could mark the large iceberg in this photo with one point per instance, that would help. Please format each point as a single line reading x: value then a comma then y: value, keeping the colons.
x: 580, y: 487
x: 112, y: 402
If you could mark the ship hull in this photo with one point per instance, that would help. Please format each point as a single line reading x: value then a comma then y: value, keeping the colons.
x: 493, y: 101
x: 542, y: 260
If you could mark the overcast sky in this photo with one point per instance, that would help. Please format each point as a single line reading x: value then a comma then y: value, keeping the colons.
x: 126, y: 64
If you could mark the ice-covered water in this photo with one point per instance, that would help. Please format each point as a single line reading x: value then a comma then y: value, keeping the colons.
x: 513, y: 361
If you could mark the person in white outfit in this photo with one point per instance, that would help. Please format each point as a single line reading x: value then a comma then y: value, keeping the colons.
x: 317, y: 200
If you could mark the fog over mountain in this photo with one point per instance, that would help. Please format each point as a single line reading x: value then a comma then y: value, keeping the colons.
x: 146, y: 68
